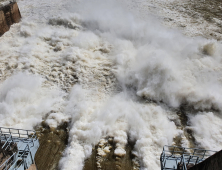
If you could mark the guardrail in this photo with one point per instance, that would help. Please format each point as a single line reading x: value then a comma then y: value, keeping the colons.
x: 174, y: 158
x: 8, y: 162
x: 20, y: 133
x: 24, y: 156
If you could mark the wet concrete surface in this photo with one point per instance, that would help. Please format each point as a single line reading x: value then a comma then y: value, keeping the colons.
x: 111, y: 161
x: 52, y: 141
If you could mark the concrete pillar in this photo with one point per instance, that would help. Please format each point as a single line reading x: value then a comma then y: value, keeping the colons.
x: 9, y: 15
x: 3, y: 24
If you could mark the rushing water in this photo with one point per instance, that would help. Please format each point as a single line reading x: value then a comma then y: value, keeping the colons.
x: 111, y: 69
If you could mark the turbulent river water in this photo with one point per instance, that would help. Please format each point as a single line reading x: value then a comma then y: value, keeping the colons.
x: 143, y: 72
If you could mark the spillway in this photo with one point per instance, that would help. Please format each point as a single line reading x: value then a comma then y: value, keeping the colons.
x: 107, y: 83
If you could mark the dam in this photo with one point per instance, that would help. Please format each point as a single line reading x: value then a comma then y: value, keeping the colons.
x: 108, y: 83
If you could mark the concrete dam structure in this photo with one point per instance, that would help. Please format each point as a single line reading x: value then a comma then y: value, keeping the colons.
x: 106, y: 83
x: 17, y: 149
x: 9, y: 14
x: 180, y: 158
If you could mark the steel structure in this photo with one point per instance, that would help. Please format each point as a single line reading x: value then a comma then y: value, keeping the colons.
x: 180, y: 158
x: 27, y: 145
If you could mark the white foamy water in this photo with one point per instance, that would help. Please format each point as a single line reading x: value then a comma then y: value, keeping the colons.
x: 96, y: 64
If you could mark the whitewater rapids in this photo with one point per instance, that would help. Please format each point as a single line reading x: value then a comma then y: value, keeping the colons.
x: 110, y: 68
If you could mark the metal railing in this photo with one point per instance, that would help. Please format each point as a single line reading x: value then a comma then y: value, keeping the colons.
x: 20, y: 155
x: 24, y: 155
x: 15, y: 135
x: 8, y: 141
x: 8, y: 162
x: 20, y: 133
x: 173, y: 156
x: 26, y: 140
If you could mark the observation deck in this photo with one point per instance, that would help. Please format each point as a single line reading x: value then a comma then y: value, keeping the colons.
x: 17, y: 148
x: 179, y: 158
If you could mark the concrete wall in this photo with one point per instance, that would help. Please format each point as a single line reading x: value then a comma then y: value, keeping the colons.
x: 9, y: 15
x: 32, y: 167
x: 3, y: 25
x: 212, y: 163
